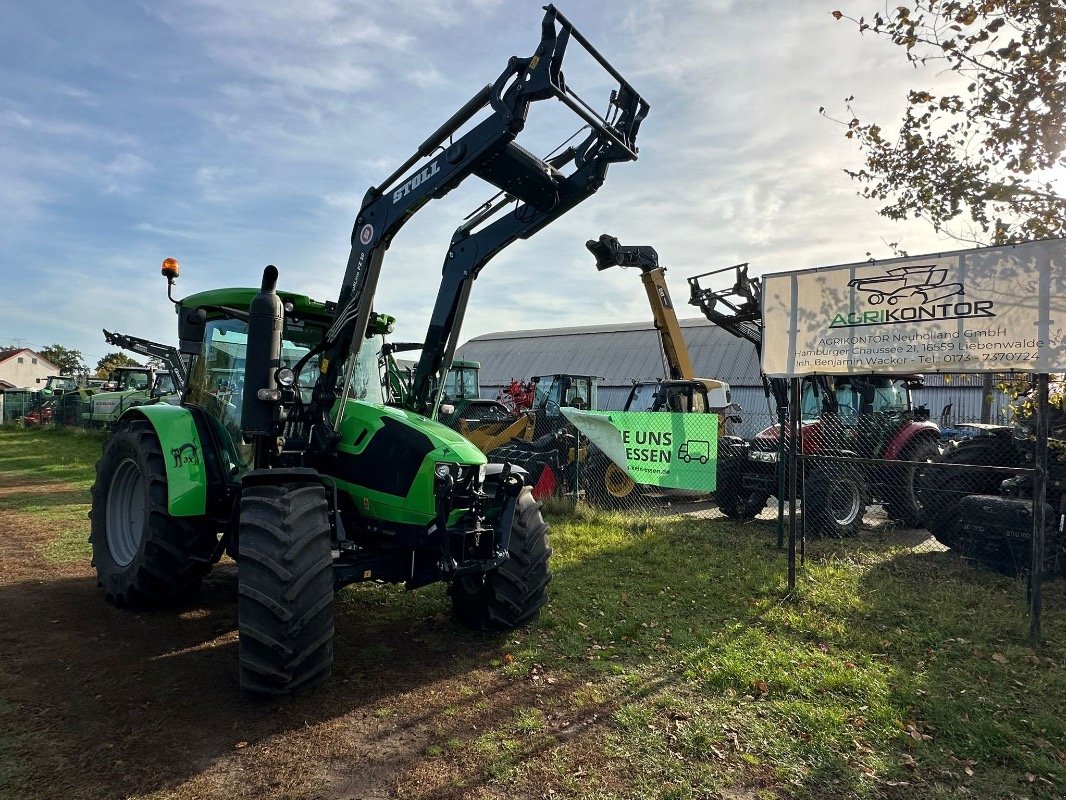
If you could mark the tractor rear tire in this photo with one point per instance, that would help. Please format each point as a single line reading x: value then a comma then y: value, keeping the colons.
x: 143, y: 556
x: 834, y: 501
x: 904, y: 504
x: 285, y: 588
x: 732, y: 498
x: 512, y: 594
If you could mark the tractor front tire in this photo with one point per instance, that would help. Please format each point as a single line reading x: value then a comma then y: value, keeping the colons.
x: 834, y: 501
x: 732, y: 498
x: 904, y: 500
x: 285, y: 588
x: 512, y: 594
x: 143, y: 556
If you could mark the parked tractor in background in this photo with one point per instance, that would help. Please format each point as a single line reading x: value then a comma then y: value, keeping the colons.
x: 308, y: 476
x: 127, y: 387
x: 56, y: 385
x: 987, y: 515
x: 858, y: 416
x: 63, y: 400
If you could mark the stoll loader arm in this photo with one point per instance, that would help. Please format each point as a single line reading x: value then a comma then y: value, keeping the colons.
x: 145, y: 347
x: 487, y: 150
x: 490, y: 229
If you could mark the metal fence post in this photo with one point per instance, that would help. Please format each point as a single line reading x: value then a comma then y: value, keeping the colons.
x: 781, y: 456
x: 793, y: 476
x: 1036, y: 566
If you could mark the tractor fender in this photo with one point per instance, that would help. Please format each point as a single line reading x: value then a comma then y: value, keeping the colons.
x: 183, y: 456
x: 910, y: 432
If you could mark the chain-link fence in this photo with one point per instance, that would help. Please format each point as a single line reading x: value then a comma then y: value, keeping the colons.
x: 869, y: 462
x: 77, y: 408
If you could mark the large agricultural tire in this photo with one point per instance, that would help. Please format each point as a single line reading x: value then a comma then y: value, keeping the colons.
x: 143, y: 556
x: 285, y: 588
x: 512, y: 594
x: 607, y: 485
x: 732, y: 498
x: 834, y: 501
x: 903, y: 503
x: 942, y: 488
x: 996, y: 533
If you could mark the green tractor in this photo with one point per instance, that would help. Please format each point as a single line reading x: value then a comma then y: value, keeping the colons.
x: 127, y: 387
x: 290, y: 449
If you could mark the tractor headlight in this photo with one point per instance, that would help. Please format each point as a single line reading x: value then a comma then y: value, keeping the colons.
x: 443, y: 471
x: 285, y: 377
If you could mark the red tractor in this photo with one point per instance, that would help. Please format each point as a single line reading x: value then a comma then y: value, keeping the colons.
x: 866, y: 417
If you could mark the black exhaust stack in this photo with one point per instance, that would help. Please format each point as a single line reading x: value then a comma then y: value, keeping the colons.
x: 259, y: 413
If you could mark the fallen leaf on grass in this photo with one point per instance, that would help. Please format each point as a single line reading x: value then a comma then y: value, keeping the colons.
x: 999, y: 658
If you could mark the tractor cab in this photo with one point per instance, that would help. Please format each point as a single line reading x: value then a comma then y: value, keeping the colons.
x: 564, y: 391
x: 123, y: 379
x: 695, y: 396
x: 461, y: 382
x: 57, y: 385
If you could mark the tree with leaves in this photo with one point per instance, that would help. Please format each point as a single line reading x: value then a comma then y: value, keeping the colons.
x: 978, y: 163
x: 70, y: 362
x: 112, y: 360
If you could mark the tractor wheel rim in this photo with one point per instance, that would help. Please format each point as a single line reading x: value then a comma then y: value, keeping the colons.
x: 844, y: 503
x: 125, y: 513
x: 618, y: 483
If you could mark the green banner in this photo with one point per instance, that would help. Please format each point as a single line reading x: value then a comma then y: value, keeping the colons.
x: 656, y: 448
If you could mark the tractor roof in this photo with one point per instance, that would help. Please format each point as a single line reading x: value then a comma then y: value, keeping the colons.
x: 241, y: 298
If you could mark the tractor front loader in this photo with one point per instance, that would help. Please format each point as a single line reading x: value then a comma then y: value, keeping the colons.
x: 862, y: 416
x: 290, y: 449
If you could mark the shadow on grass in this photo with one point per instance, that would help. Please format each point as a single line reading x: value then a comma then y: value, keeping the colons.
x: 651, y: 615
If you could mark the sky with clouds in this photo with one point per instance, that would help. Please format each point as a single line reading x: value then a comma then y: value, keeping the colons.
x: 232, y: 134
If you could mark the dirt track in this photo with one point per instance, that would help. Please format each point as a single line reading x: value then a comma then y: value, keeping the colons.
x: 107, y: 703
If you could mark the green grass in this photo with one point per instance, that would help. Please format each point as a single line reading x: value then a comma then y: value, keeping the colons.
x: 50, y: 454
x: 670, y: 664
x: 62, y: 459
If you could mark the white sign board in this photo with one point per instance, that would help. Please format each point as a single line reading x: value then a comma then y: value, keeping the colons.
x: 990, y: 309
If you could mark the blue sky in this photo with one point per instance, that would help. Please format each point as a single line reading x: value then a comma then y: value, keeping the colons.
x: 232, y: 134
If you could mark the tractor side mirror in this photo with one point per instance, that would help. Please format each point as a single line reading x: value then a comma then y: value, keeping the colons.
x: 192, y: 325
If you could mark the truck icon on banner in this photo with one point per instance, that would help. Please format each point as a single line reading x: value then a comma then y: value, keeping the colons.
x: 695, y: 450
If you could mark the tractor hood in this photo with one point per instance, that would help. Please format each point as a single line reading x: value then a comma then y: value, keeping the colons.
x: 387, y: 456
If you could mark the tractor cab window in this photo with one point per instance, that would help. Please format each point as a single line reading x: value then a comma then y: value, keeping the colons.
x: 217, y: 378
x: 367, y: 376
x: 889, y: 396
x: 216, y: 381
x: 460, y: 383
x: 128, y: 380
x: 811, y: 401
x: 565, y: 391
x: 164, y: 384
x: 642, y: 397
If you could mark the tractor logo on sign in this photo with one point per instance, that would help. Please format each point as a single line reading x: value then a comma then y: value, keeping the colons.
x: 909, y: 294
x: 185, y: 455
x: 922, y: 284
